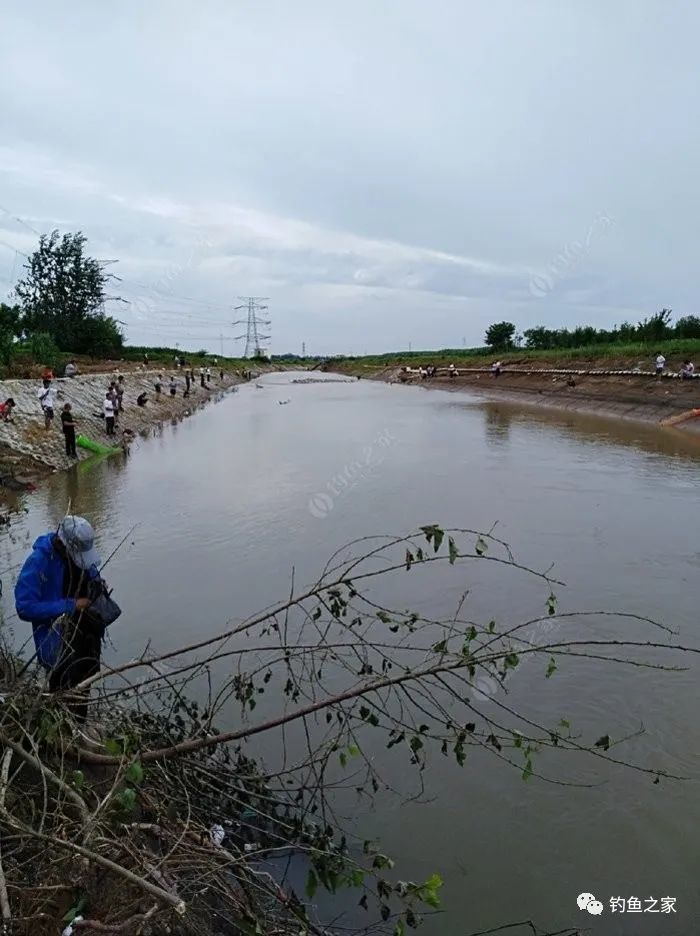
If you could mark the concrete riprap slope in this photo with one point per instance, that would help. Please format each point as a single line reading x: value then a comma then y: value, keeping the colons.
x: 28, y: 436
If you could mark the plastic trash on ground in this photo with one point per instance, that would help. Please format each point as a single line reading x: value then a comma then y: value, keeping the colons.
x: 69, y: 930
x: 217, y: 834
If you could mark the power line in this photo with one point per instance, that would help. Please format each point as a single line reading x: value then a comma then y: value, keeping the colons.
x: 20, y: 220
x: 191, y: 320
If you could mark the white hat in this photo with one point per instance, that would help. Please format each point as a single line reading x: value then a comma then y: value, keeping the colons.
x: 78, y: 536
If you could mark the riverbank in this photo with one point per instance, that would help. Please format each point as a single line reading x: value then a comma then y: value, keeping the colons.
x: 29, y: 451
x: 590, y: 387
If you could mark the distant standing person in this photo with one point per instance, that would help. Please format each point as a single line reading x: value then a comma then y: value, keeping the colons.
x: 496, y: 368
x: 115, y: 400
x: 158, y: 384
x: 187, y: 383
x: 68, y: 424
x: 221, y: 375
x: 145, y: 360
x: 688, y: 370
x: 173, y: 386
x: 201, y: 376
x: 47, y: 398
x: 208, y: 374
x: 120, y: 393
x: 452, y: 370
x: 660, y: 364
x: 108, y: 410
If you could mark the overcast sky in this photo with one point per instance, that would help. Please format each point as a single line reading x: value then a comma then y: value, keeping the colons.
x: 387, y: 173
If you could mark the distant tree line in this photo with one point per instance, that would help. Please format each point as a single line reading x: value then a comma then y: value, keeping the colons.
x: 501, y: 336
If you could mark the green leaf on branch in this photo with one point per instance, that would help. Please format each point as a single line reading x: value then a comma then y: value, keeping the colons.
x: 75, y: 910
x: 527, y: 772
x: 135, y: 773
x: 493, y: 740
x: 115, y: 746
x: 429, y: 891
x: 480, y: 547
x: 126, y: 800
x: 434, y: 535
x: 551, y: 667
x: 453, y: 551
x: 409, y: 559
x: 311, y: 884
x: 552, y: 605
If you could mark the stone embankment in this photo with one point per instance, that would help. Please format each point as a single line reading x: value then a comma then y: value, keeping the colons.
x: 27, y: 448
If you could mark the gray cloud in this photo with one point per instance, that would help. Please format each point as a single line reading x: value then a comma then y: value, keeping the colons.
x: 385, y: 174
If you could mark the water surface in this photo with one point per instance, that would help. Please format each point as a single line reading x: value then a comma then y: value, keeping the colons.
x: 228, y: 502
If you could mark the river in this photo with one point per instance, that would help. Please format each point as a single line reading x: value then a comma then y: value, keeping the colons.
x: 225, y: 503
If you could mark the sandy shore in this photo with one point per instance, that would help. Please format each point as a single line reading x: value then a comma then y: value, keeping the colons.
x: 28, y: 450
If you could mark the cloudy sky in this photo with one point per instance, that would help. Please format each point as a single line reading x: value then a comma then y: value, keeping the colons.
x: 388, y: 172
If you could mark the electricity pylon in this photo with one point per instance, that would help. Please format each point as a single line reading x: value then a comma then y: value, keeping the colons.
x: 253, y: 322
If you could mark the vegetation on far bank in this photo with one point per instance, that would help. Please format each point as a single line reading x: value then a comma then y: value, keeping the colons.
x: 626, y: 344
x: 632, y: 354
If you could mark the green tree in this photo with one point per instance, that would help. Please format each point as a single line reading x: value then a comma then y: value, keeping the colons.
x: 11, y: 319
x: 10, y: 330
x: 63, y: 294
x: 656, y: 327
x: 688, y: 327
x: 499, y: 336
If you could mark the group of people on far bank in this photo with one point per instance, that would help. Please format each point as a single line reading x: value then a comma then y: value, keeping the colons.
x: 112, y: 404
x: 687, y: 371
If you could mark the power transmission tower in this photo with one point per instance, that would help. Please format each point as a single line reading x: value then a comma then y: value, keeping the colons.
x: 254, y: 323
x: 303, y: 349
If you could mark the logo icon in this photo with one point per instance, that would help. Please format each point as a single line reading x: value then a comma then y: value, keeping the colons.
x: 320, y: 505
x: 588, y: 902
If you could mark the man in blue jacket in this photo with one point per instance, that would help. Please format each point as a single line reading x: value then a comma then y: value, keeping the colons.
x: 54, y: 592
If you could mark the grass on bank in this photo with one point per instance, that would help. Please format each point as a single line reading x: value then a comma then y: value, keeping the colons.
x: 632, y: 354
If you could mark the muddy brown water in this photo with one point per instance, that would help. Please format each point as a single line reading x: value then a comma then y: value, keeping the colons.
x: 230, y: 500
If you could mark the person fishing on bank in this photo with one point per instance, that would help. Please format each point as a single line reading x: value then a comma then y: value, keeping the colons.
x: 68, y: 424
x: 108, y: 410
x: 6, y: 410
x: 61, y: 593
x: 47, y: 399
